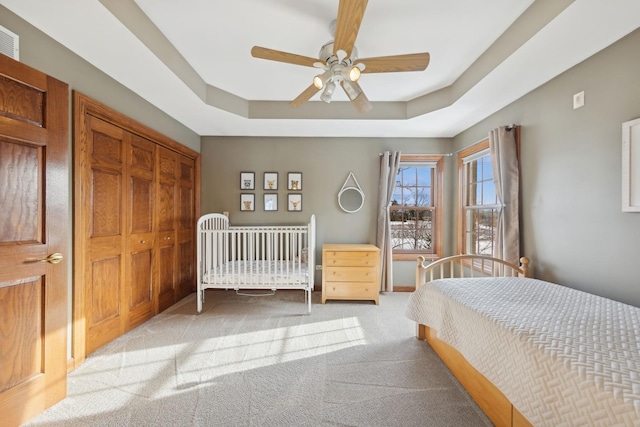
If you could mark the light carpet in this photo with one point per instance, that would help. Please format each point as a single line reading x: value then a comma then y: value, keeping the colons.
x: 263, y: 361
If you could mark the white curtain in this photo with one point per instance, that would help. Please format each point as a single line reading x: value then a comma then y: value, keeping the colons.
x: 504, y: 160
x: 389, y: 166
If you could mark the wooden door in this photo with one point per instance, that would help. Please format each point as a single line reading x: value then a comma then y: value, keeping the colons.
x: 34, y: 221
x: 140, y: 209
x: 186, y: 228
x: 119, y: 275
x: 167, y: 249
x: 104, y: 271
x: 129, y: 183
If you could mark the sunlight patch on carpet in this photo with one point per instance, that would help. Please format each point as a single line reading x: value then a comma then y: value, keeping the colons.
x: 230, y: 354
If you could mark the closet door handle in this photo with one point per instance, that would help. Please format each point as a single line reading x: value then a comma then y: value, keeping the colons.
x: 167, y: 238
x: 143, y: 241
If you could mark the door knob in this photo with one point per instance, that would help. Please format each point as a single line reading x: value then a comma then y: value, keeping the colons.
x: 53, y: 258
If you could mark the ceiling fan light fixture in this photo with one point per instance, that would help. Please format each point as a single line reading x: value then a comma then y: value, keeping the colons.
x: 321, y: 80
x: 328, y: 92
x: 351, y: 73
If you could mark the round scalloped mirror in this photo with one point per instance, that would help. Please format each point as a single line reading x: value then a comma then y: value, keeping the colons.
x: 351, y: 199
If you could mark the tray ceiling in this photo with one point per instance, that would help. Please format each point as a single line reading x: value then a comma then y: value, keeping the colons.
x: 191, y: 58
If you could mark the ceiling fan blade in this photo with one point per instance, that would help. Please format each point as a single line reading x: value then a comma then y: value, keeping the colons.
x: 350, y: 13
x: 277, y: 55
x: 304, y: 96
x: 361, y: 103
x: 396, y: 63
x: 358, y: 99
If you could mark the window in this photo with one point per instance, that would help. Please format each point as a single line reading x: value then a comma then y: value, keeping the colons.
x: 478, y: 217
x: 416, y: 208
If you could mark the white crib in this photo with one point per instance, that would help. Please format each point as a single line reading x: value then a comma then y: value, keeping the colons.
x: 255, y: 257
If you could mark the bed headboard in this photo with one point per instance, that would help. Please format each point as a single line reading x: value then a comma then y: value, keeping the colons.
x: 469, y: 266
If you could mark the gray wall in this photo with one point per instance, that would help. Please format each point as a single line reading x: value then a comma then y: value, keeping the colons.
x: 573, y: 227
x: 325, y: 164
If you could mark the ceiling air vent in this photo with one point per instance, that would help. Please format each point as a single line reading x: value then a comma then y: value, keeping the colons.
x: 9, y: 43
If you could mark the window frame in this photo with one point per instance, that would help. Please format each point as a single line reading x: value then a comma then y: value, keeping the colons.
x: 474, y: 150
x: 437, y: 209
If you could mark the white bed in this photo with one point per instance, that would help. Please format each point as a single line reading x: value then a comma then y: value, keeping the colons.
x: 559, y: 356
x: 254, y: 257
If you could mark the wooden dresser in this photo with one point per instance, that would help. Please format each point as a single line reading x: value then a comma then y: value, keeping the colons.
x: 350, y: 272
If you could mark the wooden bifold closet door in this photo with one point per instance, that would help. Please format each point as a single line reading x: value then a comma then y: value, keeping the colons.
x: 188, y: 196
x: 119, y: 229
x: 176, y: 226
x: 133, y: 255
x: 167, y: 210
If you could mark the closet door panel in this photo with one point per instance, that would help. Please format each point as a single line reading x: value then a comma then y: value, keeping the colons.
x: 106, y: 213
x: 104, y: 271
x: 166, y: 276
x: 167, y: 252
x: 105, y: 292
x: 166, y: 211
x: 140, y: 251
x: 186, y: 227
x: 103, y: 302
x: 140, y: 295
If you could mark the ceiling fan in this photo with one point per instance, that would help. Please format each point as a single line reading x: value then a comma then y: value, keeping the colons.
x: 339, y: 60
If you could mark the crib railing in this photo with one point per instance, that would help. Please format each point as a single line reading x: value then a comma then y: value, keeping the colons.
x: 254, y: 257
x: 250, y: 253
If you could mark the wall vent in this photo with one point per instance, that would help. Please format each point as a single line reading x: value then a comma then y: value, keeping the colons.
x: 9, y: 43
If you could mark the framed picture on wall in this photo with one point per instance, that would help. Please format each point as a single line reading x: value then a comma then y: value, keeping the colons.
x: 247, y: 180
x: 247, y: 202
x: 631, y: 166
x: 270, y: 202
x: 294, y: 202
x: 270, y: 181
x: 294, y: 181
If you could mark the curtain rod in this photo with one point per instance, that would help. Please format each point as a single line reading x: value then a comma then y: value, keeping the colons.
x: 508, y: 127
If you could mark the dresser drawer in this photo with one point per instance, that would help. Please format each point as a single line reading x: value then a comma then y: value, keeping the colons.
x: 351, y: 290
x: 351, y: 258
x: 350, y: 274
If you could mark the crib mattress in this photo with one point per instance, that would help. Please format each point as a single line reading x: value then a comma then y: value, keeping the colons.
x: 561, y: 356
x: 259, y: 273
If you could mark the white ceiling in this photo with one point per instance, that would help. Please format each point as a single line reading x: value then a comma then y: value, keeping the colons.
x: 191, y: 58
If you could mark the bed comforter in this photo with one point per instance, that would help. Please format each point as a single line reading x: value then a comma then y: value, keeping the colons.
x: 561, y: 356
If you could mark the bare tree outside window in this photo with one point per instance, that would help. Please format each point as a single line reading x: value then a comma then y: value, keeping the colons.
x: 413, y: 209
